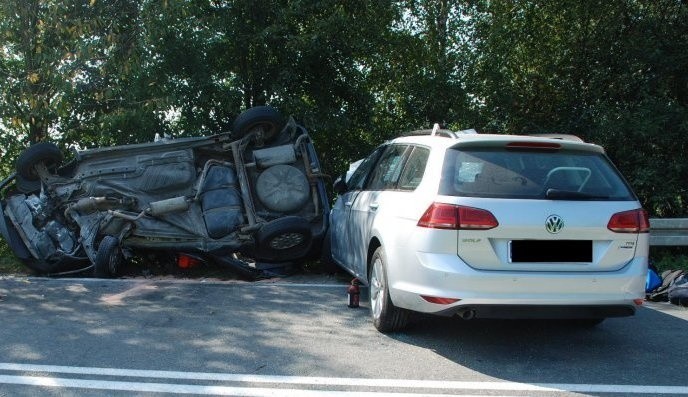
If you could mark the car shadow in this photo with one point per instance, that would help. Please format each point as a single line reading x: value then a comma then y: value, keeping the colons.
x: 646, y: 349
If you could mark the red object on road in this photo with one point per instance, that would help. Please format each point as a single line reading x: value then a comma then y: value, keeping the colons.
x: 186, y: 261
x: 354, y: 293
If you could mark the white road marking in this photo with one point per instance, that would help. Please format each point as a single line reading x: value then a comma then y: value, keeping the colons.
x: 193, y: 389
x: 326, y: 381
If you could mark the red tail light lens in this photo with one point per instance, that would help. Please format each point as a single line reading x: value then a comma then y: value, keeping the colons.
x: 186, y: 261
x: 634, y: 221
x: 456, y: 217
x: 474, y: 218
x: 533, y: 145
x: 438, y: 300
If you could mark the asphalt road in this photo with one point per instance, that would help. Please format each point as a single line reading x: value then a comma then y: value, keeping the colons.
x: 296, y: 337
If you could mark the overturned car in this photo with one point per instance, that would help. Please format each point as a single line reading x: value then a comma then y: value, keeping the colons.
x: 257, y: 192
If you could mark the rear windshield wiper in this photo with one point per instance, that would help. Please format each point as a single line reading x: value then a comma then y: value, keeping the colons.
x: 556, y: 194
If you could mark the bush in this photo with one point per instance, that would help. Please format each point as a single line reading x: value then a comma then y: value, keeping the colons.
x: 666, y: 258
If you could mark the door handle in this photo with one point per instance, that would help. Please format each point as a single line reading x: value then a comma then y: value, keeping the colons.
x: 373, y: 206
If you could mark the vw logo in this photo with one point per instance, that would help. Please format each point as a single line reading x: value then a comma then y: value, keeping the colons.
x: 554, y: 224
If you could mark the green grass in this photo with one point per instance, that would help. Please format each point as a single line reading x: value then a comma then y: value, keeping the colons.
x: 10, y: 265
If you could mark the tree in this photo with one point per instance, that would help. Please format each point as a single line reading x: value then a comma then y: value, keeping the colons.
x: 62, y: 62
x: 419, y: 77
x: 612, y: 72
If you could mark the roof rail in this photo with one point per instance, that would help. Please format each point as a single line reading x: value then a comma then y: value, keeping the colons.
x: 441, y: 132
x: 435, y: 128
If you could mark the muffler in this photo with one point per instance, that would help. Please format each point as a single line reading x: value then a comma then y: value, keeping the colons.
x: 466, y: 314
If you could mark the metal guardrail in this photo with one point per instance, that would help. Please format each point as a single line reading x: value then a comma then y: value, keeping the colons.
x: 669, y: 232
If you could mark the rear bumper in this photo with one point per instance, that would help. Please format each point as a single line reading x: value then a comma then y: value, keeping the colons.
x: 541, y: 311
x: 508, y: 294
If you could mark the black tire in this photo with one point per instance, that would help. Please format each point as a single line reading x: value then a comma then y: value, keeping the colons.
x: 386, y: 316
x: 42, y: 152
x: 26, y: 186
x: 284, y: 239
x: 108, y: 258
x: 265, y: 117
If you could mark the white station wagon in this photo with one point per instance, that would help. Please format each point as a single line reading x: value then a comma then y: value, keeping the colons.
x: 491, y: 226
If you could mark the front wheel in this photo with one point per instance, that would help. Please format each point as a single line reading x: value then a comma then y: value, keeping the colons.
x: 386, y: 316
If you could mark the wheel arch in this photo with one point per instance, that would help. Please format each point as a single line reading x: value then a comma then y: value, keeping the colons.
x: 372, y: 246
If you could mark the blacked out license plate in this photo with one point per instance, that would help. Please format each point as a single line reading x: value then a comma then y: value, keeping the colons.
x: 558, y: 251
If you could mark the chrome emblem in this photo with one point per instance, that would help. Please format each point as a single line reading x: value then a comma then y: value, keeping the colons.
x: 554, y: 224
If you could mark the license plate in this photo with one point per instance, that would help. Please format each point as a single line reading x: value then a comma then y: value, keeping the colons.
x: 555, y: 251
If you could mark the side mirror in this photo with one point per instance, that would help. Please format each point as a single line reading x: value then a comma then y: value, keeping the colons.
x: 340, y: 185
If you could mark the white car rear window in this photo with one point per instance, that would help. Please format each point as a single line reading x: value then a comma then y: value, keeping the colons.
x: 497, y: 172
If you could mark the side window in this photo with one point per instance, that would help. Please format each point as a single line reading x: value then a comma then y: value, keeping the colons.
x: 414, y: 169
x: 358, y: 178
x: 386, y: 173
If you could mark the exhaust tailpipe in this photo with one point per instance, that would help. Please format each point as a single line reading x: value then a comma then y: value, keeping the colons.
x: 466, y: 314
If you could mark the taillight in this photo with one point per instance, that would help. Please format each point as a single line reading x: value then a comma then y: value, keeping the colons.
x: 634, y: 221
x: 187, y: 261
x: 439, y: 301
x: 455, y: 217
x: 533, y: 145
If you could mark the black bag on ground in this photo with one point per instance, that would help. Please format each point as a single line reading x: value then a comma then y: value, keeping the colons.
x: 678, y: 291
x: 661, y: 294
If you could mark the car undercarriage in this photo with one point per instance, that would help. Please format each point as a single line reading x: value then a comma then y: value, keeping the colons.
x: 257, y: 191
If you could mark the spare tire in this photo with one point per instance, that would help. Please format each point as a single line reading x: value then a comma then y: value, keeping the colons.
x: 266, y: 118
x: 42, y: 152
x: 283, y: 239
x: 282, y: 188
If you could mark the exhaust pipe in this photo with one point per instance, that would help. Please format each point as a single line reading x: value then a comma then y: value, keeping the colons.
x: 466, y: 314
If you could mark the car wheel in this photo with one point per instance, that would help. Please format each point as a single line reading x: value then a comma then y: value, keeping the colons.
x: 386, y: 316
x: 108, y: 258
x: 283, y: 239
x: 266, y: 118
x: 25, y: 186
x: 43, y: 152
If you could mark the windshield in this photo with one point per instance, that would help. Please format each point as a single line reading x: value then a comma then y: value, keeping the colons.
x: 554, y: 175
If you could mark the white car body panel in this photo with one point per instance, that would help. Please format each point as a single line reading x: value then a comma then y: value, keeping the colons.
x: 474, y: 266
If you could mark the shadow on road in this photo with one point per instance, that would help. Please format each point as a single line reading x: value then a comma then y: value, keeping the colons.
x: 647, y: 349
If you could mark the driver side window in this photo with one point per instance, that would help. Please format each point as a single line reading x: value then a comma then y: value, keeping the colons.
x: 360, y: 176
x: 388, y: 169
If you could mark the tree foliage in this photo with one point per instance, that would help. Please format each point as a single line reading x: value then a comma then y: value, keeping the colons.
x: 99, y: 72
x: 614, y: 73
